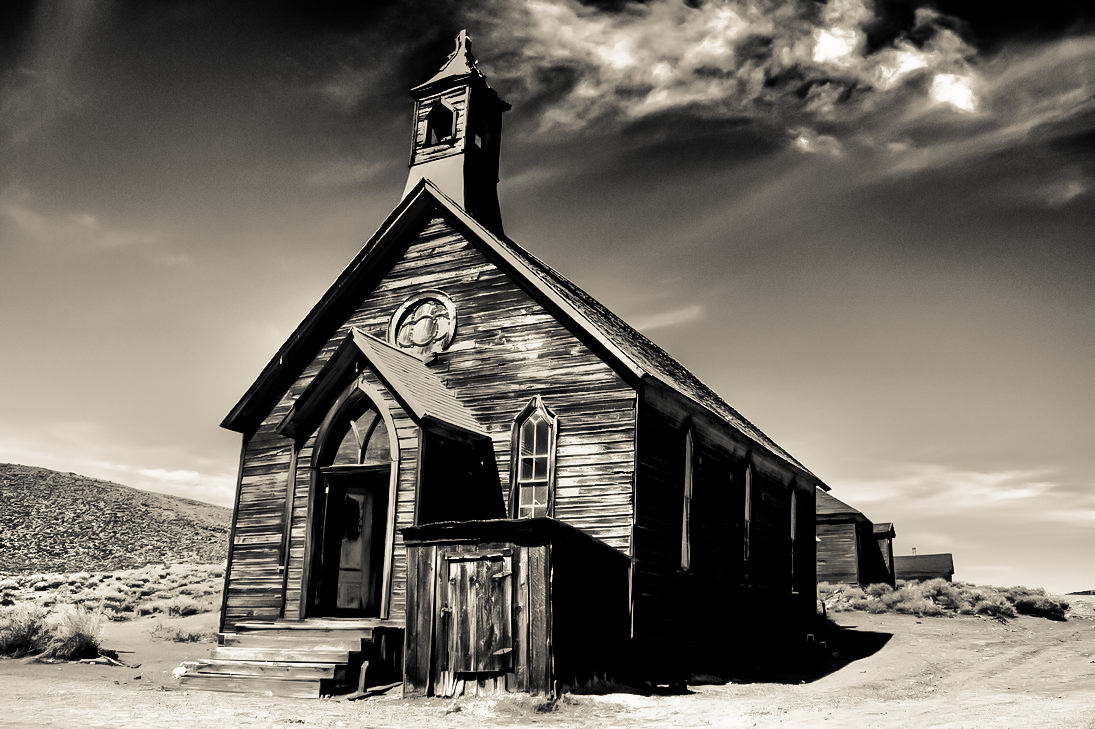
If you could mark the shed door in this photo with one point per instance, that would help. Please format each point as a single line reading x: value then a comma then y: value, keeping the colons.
x: 480, y: 597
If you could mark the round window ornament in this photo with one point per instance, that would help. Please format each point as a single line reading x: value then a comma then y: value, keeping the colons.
x: 424, y: 324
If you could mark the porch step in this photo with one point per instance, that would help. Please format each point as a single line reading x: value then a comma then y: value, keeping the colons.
x: 269, y: 669
x: 290, y: 654
x: 303, y: 688
x: 287, y: 640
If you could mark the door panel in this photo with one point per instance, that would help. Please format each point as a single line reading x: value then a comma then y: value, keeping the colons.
x: 480, y: 595
x: 354, y: 535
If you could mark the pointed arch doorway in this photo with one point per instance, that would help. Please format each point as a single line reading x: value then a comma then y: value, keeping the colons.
x: 353, y: 473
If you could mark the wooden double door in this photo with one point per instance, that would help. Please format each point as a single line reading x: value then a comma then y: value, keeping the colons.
x: 354, y: 539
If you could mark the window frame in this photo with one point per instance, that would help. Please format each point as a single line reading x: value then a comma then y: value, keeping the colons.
x: 449, y: 138
x: 747, y: 480
x: 686, y: 501
x: 535, y: 406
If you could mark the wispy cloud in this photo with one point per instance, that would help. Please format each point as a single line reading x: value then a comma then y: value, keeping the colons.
x: 930, y: 489
x: 665, y: 319
x: 89, y: 449
x: 342, y: 173
x: 76, y: 231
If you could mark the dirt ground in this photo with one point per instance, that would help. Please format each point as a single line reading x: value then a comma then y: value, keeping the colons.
x: 891, y: 671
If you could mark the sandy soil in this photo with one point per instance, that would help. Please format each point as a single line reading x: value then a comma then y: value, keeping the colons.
x: 892, y: 671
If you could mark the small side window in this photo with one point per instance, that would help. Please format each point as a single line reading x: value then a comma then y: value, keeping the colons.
x: 748, y: 509
x: 686, y: 507
x: 533, y: 462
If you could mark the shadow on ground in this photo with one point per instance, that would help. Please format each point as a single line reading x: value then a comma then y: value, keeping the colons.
x: 831, y: 648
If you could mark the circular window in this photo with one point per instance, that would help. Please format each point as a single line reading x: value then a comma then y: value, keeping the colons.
x: 424, y: 324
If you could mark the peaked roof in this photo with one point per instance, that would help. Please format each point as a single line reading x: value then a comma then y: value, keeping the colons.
x: 633, y: 352
x: 884, y: 529
x: 828, y: 504
x: 459, y: 64
x: 419, y: 391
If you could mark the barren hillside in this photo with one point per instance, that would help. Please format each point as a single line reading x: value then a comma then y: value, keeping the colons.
x: 64, y: 522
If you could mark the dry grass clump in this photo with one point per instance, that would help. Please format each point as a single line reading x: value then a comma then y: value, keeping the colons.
x: 22, y: 629
x: 939, y: 597
x: 70, y: 631
x: 74, y: 632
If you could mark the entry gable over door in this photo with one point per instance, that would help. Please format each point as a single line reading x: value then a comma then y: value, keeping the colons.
x: 423, y: 395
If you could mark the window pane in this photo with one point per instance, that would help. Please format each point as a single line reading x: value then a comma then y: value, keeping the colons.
x: 377, y: 450
x: 526, y: 469
x: 528, y: 434
x: 347, y: 450
x: 542, y: 437
x: 540, y: 494
x: 541, y: 463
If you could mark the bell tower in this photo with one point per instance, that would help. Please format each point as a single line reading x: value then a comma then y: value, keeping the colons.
x: 456, y: 136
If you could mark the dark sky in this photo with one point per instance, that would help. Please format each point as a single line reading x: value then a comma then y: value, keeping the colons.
x: 868, y: 226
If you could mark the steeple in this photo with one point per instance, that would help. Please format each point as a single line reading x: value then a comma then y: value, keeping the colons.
x: 457, y: 133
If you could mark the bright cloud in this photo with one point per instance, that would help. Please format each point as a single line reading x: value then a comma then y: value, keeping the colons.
x: 783, y: 65
x: 949, y: 88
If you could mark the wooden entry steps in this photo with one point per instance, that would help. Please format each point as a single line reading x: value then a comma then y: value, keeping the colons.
x: 283, y: 658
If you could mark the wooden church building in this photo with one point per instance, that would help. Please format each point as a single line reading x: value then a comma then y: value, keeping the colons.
x: 463, y: 473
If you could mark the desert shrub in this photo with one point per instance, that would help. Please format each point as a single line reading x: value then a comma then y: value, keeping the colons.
x: 22, y: 630
x: 74, y: 632
x: 1042, y: 607
x: 919, y: 606
x: 879, y: 589
x: 994, y: 606
x: 854, y: 593
x: 950, y: 595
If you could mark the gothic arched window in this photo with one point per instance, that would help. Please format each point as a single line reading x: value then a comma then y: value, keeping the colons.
x: 365, y: 440
x: 532, y: 470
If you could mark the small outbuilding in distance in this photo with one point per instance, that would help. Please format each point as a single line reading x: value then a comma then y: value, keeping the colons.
x: 850, y: 548
x: 922, y: 567
x: 464, y: 474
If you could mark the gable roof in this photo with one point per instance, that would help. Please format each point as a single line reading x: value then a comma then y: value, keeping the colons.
x: 829, y: 505
x: 634, y: 353
x: 419, y: 391
x: 884, y: 529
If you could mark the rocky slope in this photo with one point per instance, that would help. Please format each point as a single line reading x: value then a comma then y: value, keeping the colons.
x: 64, y: 522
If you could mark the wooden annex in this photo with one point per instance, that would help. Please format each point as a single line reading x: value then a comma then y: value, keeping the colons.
x: 463, y: 473
x: 850, y: 548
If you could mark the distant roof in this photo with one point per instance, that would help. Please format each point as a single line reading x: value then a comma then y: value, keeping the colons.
x: 923, y: 566
x: 635, y: 352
